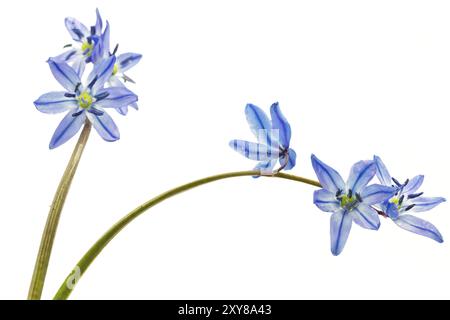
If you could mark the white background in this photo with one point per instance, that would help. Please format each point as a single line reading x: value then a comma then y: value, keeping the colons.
x: 355, y: 78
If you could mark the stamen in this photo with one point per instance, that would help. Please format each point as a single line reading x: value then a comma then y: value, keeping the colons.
x: 396, y: 182
x: 92, y: 30
x: 410, y: 207
x: 415, y: 195
x: 115, y: 49
x: 69, y: 95
x: 70, y: 55
x: 77, y: 87
x: 126, y: 78
x: 400, y: 201
x: 358, y: 197
x: 67, y: 46
x: 338, y: 193
x: 76, y: 114
x: 406, y: 183
x: 102, y: 96
x: 93, y: 82
x: 350, y: 193
x: 96, y: 112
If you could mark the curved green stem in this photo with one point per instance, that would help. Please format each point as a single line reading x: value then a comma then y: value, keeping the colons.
x: 69, y: 283
x: 48, y: 236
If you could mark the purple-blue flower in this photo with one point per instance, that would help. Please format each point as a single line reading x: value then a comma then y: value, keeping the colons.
x: 88, y: 48
x: 273, y: 137
x: 83, y: 102
x: 349, y: 202
x: 408, y: 199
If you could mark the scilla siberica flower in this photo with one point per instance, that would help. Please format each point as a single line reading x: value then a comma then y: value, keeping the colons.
x: 407, y: 199
x: 89, y: 48
x: 349, y: 202
x: 84, y: 101
x: 124, y: 62
x: 273, y: 140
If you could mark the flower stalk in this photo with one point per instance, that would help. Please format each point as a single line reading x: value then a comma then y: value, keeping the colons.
x: 69, y: 283
x: 48, y: 236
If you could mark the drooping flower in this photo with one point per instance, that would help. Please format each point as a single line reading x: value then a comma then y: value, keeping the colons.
x: 84, y: 101
x: 88, y: 48
x: 407, y: 199
x: 349, y: 202
x: 273, y: 140
x: 124, y: 62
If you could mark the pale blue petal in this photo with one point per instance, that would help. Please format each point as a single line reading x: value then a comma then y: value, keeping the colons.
x: 392, y: 211
x: 101, y: 73
x: 329, y: 178
x: 413, y: 185
x: 253, y: 151
x: 68, y: 127
x: 292, y: 160
x: 382, y: 172
x: 326, y: 201
x: 128, y: 60
x: 376, y: 194
x: 77, y: 30
x: 99, y: 23
x: 79, y: 65
x: 55, y: 102
x: 123, y: 111
x: 259, y: 123
x: 105, y: 43
x: 118, y: 97
x: 365, y: 216
x: 280, y: 123
x: 419, y: 226
x: 424, y: 204
x: 105, y: 126
x: 67, y: 56
x: 360, y: 175
x: 340, y: 226
x: 64, y: 74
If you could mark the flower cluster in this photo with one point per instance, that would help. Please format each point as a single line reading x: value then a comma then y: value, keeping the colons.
x: 355, y: 200
x: 103, y: 88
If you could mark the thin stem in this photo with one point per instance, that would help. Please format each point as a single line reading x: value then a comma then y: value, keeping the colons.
x: 69, y: 283
x: 48, y: 236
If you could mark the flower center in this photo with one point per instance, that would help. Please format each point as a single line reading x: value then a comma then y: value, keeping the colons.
x: 115, y: 70
x: 87, y: 48
x: 348, y: 202
x: 85, y: 100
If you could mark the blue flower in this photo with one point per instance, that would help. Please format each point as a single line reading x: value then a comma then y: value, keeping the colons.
x: 124, y: 62
x: 349, y: 202
x: 89, y: 49
x: 408, y: 199
x: 84, y: 102
x: 273, y: 140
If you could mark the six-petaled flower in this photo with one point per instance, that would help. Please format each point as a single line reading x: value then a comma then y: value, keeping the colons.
x: 349, y: 202
x: 406, y: 200
x: 273, y: 140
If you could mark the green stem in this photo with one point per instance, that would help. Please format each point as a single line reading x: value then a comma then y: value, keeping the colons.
x: 69, y: 283
x: 48, y: 236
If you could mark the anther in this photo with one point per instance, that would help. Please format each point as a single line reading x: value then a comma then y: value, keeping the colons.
x: 93, y: 82
x: 396, y: 182
x: 410, y: 207
x: 76, y: 114
x: 400, y: 201
x: 406, y: 183
x: 115, y: 50
x: 92, y: 30
x: 350, y: 193
x: 77, y: 87
x: 67, y: 46
x: 96, y: 112
x: 102, y: 96
x: 358, y: 197
x: 415, y: 195
x: 69, y: 95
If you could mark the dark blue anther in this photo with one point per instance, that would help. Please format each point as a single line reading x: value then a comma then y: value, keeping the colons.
x: 96, y: 112
x: 67, y: 46
x: 338, y: 193
x: 415, y: 195
x: 396, y: 182
x: 69, y: 95
x: 115, y: 50
x: 77, y: 87
x: 91, y: 84
x: 358, y: 197
x: 102, y: 96
x: 92, y: 30
x: 350, y: 193
x: 406, y: 183
x: 410, y: 207
x: 400, y: 201
x: 76, y: 114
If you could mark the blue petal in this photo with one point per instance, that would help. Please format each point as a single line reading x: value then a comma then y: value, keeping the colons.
x: 292, y: 160
x: 326, y: 201
x: 377, y: 193
x: 105, y: 126
x: 280, y: 123
x: 340, y: 226
x: 360, y: 175
x: 99, y: 23
x: 259, y: 123
x: 425, y: 204
x: 128, y: 60
x: 382, y: 172
x: 55, y: 102
x: 105, y: 42
x: 79, y: 65
x: 67, y: 56
x: 68, y: 127
x: 101, y: 72
x: 253, y: 151
x: 117, y: 97
x: 392, y: 211
x: 64, y: 74
x: 329, y: 178
x: 365, y: 216
x: 419, y: 226
x: 77, y: 30
x: 413, y: 185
